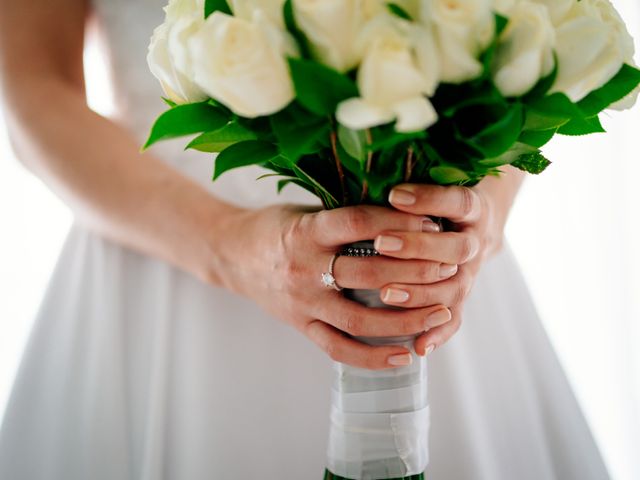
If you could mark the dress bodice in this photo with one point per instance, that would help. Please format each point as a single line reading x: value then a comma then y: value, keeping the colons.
x: 124, y: 28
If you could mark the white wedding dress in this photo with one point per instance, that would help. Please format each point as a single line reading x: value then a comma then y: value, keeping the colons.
x: 137, y: 371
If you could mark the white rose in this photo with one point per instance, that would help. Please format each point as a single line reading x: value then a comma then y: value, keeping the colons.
x: 592, y: 45
x: 238, y: 65
x: 177, y: 9
x: 463, y: 29
x: 333, y: 26
x: 503, y: 7
x: 168, y: 56
x: 525, y: 50
x: 558, y: 9
x: 246, y: 9
x: 392, y: 86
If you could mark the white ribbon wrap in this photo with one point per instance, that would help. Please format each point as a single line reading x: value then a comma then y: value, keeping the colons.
x: 379, y: 419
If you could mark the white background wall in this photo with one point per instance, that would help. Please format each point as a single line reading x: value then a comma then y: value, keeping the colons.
x: 575, y: 231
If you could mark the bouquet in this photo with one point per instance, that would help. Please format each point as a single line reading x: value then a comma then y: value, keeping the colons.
x: 348, y: 98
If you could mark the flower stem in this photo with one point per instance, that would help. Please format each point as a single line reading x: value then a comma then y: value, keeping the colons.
x: 334, y: 147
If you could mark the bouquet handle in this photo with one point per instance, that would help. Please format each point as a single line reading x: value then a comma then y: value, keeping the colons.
x: 379, y: 420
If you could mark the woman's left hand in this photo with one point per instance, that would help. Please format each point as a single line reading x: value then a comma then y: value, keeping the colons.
x: 480, y: 228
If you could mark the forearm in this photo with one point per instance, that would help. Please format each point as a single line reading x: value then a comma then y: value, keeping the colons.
x: 95, y: 167
x: 499, y: 193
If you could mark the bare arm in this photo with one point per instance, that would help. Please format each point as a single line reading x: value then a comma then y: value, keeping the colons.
x: 272, y: 255
x: 90, y: 162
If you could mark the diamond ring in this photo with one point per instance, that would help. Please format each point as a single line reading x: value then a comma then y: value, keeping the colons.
x: 327, y: 277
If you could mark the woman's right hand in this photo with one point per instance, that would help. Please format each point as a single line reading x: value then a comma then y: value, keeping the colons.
x: 275, y: 256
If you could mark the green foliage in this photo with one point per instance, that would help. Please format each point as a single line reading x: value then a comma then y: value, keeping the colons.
x: 496, y: 138
x: 478, y: 131
x: 292, y: 28
x: 448, y: 176
x: 551, y: 111
x: 537, y: 138
x: 621, y: 85
x: 581, y: 126
x: 354, y: 143
x: 211, y: 6
x: 534, y: 163
x: 398, y: 11
x: 242, y: 154
x: 218, y: 140
x: 186, y: 120
x: 320, y: 89
x: 299, y: 133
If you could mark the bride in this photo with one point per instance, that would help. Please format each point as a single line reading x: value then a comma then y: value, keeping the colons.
x: 176, y: 338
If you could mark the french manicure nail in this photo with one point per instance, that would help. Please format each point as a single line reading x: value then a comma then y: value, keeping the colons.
x: 387, y: 243
x: 437, y: 318
x: 430, y: 226
x: 399, y: 196
x: 448, y: 271
x: 430, y: 349
x: 396, y: 295
x: 401, y: 360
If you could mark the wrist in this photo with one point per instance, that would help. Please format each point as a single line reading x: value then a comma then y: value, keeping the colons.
x: 219, y: 238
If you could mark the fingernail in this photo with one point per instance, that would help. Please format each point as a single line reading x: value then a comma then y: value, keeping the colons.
x: 399, y: 196
x: 430, y: 349
x: 400, y: 360
x: 437, y: 318
x: 430, y: 226
x: 396, y: 295
x: 387, y: 243
x: 448, y: 271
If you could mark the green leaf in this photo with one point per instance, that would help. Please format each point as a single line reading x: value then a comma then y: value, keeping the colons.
x: 320, y: 190
x: 169, y: 102
x: 319, y: 88
x: 186, y: 120
x: 354, y: 142
x: 488, y: 55
x: 250, y: 152
x: 582, y: 126
x: 299, y: 132
x: 398, y: 11
x: 501, y: 23
x: 621, y: 85
x: 500, y: 136
x: 534, y: 163
x: 211, y: 6
x: 537, y: 138
x: 218, y: 140
x: 549, y: 112
x: 509, y: 156
x: 448, y: 175
x: 294, y: 30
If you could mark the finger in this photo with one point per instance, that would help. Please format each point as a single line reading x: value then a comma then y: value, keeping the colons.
x: 450, y: 292
x: 376, y: 272
x: 438, y: 336
x: 345, y: 225
x: 458, y: 204
x: 341, y: 348
x: 359, y: 321
x: 453, y: 248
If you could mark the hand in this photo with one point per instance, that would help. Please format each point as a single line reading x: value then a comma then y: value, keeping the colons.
x: 275, y: 256
x: 477, y: 235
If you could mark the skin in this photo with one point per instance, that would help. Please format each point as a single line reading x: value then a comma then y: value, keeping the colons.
x: 273, y: 255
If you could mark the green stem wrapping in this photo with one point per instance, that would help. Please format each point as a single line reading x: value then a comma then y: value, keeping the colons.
x: 330, y: 476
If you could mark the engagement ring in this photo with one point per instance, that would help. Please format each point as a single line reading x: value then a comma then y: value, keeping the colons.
x: 327, y: 277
